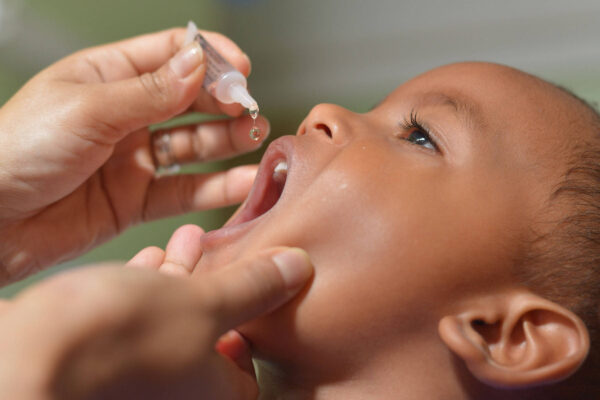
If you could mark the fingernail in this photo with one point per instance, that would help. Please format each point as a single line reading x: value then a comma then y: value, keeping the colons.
x: 187, y: 60
x: 295, y: 267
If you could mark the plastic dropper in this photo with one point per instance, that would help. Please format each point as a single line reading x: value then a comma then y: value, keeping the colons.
x: 222, y: 80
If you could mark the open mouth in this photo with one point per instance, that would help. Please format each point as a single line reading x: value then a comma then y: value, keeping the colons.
x: 268, y: 186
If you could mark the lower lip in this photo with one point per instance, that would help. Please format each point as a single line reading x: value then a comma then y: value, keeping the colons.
x: 227, y: 234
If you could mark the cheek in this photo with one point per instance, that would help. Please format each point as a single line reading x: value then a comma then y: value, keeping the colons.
x: 375, y: 256
x: 363, y: 229
x: 367, y: 285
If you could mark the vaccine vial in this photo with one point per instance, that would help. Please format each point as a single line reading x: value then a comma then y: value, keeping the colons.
x: 222, y: 80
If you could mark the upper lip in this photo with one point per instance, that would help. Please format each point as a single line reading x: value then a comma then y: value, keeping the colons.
x: 266, y: 192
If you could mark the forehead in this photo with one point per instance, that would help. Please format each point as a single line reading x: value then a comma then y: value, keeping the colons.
x: 503, y: 107
x: 487, y: 92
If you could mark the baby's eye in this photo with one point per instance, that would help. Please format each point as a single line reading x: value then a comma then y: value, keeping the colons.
x: 418, y: 134
x: 421, y: 138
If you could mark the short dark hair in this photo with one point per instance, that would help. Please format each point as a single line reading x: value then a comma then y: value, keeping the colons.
x: 564, y: 263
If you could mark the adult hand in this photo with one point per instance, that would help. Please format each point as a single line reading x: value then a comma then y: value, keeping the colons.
x: 112, y: 333
x: 76, y: 159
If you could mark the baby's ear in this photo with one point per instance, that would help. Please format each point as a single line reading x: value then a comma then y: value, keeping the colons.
x: 516, y: 339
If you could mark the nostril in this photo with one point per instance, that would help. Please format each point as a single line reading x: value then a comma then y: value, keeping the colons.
x: 325, y: 129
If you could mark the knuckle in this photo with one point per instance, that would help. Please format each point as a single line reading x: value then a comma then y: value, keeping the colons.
x: 176, y: 37
x: 226, y: 188
x: 171, y: 268
x: 157, y: 86
x: 154, y: 249
x: 211, y: 298
x: 213, y: 307
x: 185, y: 193
x: 88, y: 122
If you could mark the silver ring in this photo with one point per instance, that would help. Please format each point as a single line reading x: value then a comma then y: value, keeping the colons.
x: 163, y: 154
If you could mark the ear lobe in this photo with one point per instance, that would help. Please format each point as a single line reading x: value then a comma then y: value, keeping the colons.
x: 516, y: 339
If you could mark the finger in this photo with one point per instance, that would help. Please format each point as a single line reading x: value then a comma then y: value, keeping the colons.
x: 225, y: 381
x: 112, y: 110
x: 183, y: 251
x: 206, y: 103
x: 3, y: 305
x: 213, y: 140
x: 236, y: 348
x: 148, y: 52
x: 177, y: 194
x: 204, y: 98
x: 148, y: 258
x: 132, y: 57
x: 145, y: 54
x: 249, y: 288
x: 139, y: 50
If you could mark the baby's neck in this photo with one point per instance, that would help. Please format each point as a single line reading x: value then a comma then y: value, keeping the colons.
x: 273, y: 387
x: 389, y: 377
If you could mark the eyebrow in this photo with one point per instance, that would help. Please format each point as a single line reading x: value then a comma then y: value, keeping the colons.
x: 462, y: 105
x: 468, y: 110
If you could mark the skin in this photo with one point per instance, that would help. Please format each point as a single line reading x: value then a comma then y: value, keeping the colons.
x: 123, y: 333
x: 82, y: 125
x: 400, y: 234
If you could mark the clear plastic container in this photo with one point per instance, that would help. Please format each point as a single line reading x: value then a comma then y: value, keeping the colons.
x: 222, y: 80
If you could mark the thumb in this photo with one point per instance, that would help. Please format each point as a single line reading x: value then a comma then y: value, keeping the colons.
x: 134, y: 103
x: 247, y: 289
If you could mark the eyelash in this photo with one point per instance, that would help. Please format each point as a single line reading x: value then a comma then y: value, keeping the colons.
x: 413, y: 124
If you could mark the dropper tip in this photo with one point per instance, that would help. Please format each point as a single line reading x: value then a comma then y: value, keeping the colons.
x: 240, y: 95
x: 190, y: 34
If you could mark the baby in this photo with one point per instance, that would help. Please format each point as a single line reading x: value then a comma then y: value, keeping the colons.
x: 455, y: 235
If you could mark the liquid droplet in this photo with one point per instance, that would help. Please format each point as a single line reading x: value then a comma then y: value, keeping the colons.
x: 253, y: 112
x: 255, y: 133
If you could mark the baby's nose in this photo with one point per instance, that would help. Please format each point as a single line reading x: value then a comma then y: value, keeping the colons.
x: 328, y: 120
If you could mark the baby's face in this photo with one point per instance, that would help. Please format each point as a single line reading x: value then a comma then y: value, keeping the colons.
x: 404, y: 210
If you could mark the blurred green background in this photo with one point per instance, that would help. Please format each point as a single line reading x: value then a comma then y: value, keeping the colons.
x: 348, y: 52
